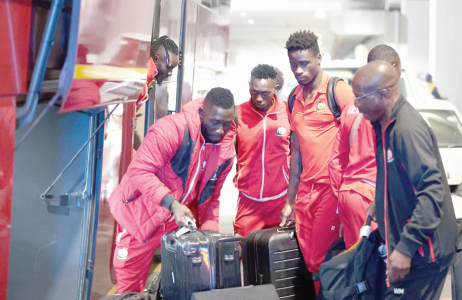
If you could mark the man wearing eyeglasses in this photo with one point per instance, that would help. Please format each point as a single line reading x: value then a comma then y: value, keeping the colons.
x: 413, y: 205
x: 352, y: 167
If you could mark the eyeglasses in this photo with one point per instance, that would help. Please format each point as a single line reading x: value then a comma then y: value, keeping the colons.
x: 368, y: 94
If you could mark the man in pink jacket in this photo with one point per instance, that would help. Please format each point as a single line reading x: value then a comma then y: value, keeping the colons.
x: 177, y: 172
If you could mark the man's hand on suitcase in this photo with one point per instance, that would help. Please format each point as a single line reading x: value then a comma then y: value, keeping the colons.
x: 287, y: 215
x: 371, y: 212
x: 398, y: 265
x: 180, y: 212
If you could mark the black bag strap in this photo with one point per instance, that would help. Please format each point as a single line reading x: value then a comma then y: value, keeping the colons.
x: 331, y: 98
x: 292, y: 99
x: 356, y: 289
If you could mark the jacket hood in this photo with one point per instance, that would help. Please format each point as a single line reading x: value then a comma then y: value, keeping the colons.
x: 191, y: 114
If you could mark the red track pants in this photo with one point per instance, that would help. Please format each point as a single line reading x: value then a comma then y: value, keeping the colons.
x: 317, y: 222
x: 352, y: 211
x: 133, y: 259
x: 253, y: 215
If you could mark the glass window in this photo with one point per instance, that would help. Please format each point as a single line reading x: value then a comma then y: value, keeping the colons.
x: 446, y: 126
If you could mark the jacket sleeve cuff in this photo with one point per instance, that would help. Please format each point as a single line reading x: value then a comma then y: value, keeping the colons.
x: 167, y: 201
x: 407, y: 247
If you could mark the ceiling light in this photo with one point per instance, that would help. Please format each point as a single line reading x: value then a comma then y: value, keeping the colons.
x: 243, y: 14
x: 251, y: 21
x: 320, y: 14
x: 319, y: 36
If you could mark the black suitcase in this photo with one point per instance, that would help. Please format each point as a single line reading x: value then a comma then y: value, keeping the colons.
x: 259, y: 292
x: 274, y: 257
x: 200, y: 261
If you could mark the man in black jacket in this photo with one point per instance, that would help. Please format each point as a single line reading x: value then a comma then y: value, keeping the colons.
x: 413, y: 205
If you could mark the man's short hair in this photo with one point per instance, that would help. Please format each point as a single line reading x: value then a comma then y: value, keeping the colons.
x: 303, y: 40
x: 166, y: 42
x: 220, y: 97
x: 383, y: 52
x: 264, y: 72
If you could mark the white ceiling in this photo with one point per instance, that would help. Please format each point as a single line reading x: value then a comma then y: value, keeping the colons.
x: 275, y: 20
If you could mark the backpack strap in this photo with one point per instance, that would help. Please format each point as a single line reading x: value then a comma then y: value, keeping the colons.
x: 332, y: 98
x: 292, y: 97
x: 355, y: 127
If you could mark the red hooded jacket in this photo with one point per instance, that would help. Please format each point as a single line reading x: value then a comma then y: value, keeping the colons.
x: 173, y: 159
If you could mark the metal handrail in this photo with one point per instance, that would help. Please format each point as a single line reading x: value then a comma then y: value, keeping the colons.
x: 179, y: 87
x: 26, y: 114
x: 150, y: 110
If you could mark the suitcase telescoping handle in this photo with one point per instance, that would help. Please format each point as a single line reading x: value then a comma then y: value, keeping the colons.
x: 288, y: 225
x: 242, y: 240
x: 369, y: 220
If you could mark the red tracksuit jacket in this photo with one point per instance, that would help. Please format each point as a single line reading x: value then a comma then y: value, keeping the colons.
x: 353, y: 168
x: 173, y: 159
x: 263, y: 151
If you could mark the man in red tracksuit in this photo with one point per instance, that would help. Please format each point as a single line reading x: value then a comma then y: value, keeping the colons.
x: 352, y: 167
x: 262, y: 173
x: 352, y: 172
x: 314, y: 128
x: 177, y: 172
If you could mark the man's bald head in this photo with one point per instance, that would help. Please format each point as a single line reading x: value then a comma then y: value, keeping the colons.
x: 376, y: 89
x: 376, y: 75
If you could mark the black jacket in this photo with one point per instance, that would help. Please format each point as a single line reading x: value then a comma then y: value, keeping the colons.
x: 417, y: 217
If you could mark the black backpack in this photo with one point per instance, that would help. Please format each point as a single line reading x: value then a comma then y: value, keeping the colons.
x: 331, y: 98
x: 358, y: 273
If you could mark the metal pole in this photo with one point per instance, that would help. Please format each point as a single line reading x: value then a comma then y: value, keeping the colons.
x: 27, y: 112
x: 150, y: 109
x: 179, y: 81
